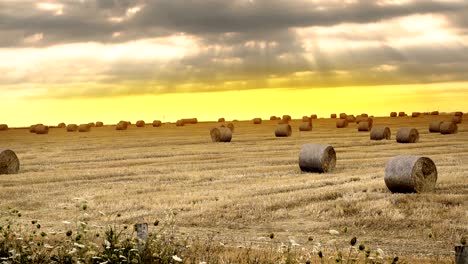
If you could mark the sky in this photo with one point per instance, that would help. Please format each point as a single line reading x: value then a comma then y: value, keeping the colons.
x: 78, y: 61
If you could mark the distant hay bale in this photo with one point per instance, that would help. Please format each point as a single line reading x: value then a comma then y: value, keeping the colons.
x: 415, y: 114
x: 365, y: 126
x: 343, y: 116
x: 91, y: 124
x: 410, y: 174
x: 305, y: 126
x: 364, y: 115
x: 32, y: 129
x: 333, y: 116
x: 140, y: 123
x: 393, y: 114
x: 61, y: 125
x: 435, y: 113
x: 351, y: 119
x: 157, y: 123
x: 189, y: 121
x: 272, y: 118
x: 221, y: 120
x: 448, y: 128
x: 407, y: 135
x: 306, y: 119
x: 9, y: 162
x: 457, y: 119
x: 434, y: 126
x: 122, y: 125
x: 257, y: 121
x: 401, y: 114
x: 380, y: 133
x: 286, y: 118
x: 283, y: 130
x: 99, y: 124
x: 72, y: 128
x: 41, y: 129
x: 313, y: 117
x: 341, y: 123
x: 84, y: 128
x: 180, y: 122
x: 221, y: 134
x: 317, y: 158
x: 458, y: 114
x: 230, y: 126
x: 3, y: 127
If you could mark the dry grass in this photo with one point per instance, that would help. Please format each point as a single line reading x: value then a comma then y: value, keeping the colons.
x: 249, y: 188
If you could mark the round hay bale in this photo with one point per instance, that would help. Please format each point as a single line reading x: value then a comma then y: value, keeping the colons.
x: 180, y: 122
x: 221, y: 134
x: 257, y: 121
x: 401, y: 114
x: 61, y: 125
x: 91, y: 124
x: 434, y: 126
x: 448, y: 128
x: 140, y: 123
x: 221, y: 120
x: 415, y: 114
x: 283, y: 130
x: 458, y: 114
x: 306, y: 119
x: 72, y: 128
x: 317, y: 158
x: 3, y: 127
x: 272, y: 118
x: 393, y: 114
x: 409, y: 174
x: 313, y: 117
x: 157, y: 123
x: 457, y: 119
x: 286, y: 118
x: 9, y: 162
x: 435, y: 113
x: 305, y: 126
x: 122, y: 125
x: 351, y: 119
x: 365, y: 126
x: 333, y: 116
x: 32, y: 129
x: 84, y: 128
x: 342, y: 123
x: 343, y: 116
x: 379, y: 133
x: 189, y: 120
x: 364, y: 115
x: 99, y: 124
x: 407, y: 135
x: 41, y: 129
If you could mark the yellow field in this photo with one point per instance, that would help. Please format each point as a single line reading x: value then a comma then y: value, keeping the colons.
x: 247, y: 189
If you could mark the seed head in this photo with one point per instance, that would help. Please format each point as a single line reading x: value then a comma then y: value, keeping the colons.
x: 33, y: 222
x: 38, y: 226
x: 156, y: 223
x: 272, y: 235
x: 310, y: 238
x: 362, y: 247
x: 320, y: 254
x: 395, y: 260
x: 463, y: 240
x: 353, y: 241
x: 43, y: 234
x: 69, y: 233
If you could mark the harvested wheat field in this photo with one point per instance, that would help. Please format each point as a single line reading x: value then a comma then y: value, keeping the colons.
x: 241, y: 193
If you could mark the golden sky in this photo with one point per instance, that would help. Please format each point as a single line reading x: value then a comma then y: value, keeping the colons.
x: 107, y: 60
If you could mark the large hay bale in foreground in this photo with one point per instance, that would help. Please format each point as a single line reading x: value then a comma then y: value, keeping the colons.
x: 140, y: 123
x: 435, y: 113
x: 3, y: 127
x: 180, y: 122
x: 72, y: 128
x: 257, y: 121
x: 99, y: 124
x: 341, y: 123
x: 84, y: 128
x: 409, y: 174
x: 448, y: 128
x: 343, y: 116
x: 393, y: 114
x: 122, y: 125
x: 457, y: 119
x: 380, y: 133
x: 221, y: 120
x: 157, y: 123
x: 415, y: 114
x: 434, y: 126
x: 365, y: 126
x: 407, y: 135
x: 41, y: 129
x: 317, y: 158
x: 221, y: 134
x: 61, y: 125
x: 305, y: 126
x: 333, y: 116
x: 351, y: 119
x: 283, y: 130
x: 401, y: 114
x: 9, y: 162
